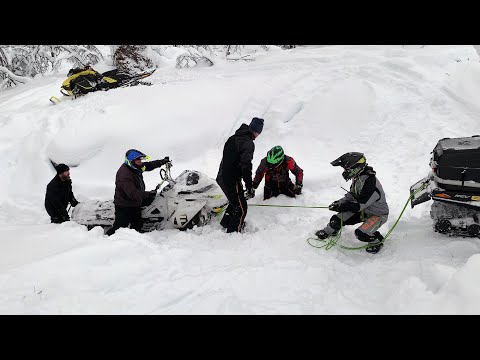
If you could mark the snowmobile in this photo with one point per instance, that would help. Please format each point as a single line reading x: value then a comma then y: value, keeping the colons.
x: 82, y: 81
x: 454, y: 186
x: 191, y: 199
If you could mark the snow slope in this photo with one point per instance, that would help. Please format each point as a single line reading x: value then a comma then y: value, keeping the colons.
x: 391, y: 102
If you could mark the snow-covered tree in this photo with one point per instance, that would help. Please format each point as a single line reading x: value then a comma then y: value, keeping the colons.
x: 18, y: 63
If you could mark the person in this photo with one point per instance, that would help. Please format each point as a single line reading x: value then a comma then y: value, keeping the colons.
x: 59, y: 194
x: 275, y: 167
x: 130, y: 194
x: 365, y: 202
x: 236, y: 164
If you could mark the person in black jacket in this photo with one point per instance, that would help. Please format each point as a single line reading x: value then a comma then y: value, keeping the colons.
x: 59, y: 194
x: 130, y: 194
x: 237, y: 164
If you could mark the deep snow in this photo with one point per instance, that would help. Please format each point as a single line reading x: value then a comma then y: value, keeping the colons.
x: 391, y: 102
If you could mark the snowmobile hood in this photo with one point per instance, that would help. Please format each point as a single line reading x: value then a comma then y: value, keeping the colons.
x: 244, y: 129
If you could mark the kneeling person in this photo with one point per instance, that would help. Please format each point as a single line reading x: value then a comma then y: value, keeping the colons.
x: 275, y: 167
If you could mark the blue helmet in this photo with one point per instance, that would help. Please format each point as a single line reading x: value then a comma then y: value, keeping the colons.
x: 132, y: 155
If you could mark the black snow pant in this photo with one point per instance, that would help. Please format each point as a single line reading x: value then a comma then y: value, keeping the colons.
x: 58, y: 220
x: 273, y: 188
x: 125, y: 216
x: 234, y: 217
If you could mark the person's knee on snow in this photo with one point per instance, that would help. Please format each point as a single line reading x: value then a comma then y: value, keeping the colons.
x: 331, y: 229
x: 267, y: 193
x: 360, y: 235
x: 375, y: 241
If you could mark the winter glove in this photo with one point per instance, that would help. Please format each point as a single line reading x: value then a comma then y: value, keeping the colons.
x: 334, y: 205
x: 345, y: 206
x: 165, y: 160
x: 149, y: 200
x: 255, y: 185
x: 298, y: 188
x: 74, y: 203
x: 250, y: 193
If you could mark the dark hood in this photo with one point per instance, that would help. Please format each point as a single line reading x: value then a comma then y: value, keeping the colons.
x: 244, y: 129
x: 368, y: 171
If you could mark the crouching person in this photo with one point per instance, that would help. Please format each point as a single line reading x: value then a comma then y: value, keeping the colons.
x: 365, y: 203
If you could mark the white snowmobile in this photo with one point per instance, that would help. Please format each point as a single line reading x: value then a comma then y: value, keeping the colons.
x: 191, y: 199
x: 454, y: 186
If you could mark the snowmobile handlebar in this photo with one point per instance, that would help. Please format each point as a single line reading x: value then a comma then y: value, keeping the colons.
x: 165, y: 172
x: 165, y: 175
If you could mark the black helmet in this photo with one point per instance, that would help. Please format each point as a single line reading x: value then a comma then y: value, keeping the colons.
x: 352, y: 162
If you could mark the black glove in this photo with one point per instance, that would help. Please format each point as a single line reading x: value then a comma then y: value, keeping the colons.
x: 74, y: 203
x: 255, y: 185
x: 250, y: 193
x: 345, y: 206
x: 334, y: 205
x: 149, y: 200
x: 298, y: 188
x: 165, y: 160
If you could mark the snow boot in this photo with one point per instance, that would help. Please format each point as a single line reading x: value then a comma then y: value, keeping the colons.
x: 322, y: 234
x: 225, y: 220
x: 375, y: 245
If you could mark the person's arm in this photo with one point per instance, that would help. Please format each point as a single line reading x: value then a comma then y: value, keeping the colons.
x: 296, y: 170
x: 73, y: 201
x: 246, y: 157
x: 260, y: 173
x: 155, y: 164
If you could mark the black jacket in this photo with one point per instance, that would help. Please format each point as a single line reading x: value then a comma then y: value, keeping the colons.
x: 59, y: 194
x: 129, y: 184
x: 237, y: 158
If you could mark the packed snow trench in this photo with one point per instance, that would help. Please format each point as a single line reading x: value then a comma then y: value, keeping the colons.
x: 393, y: 103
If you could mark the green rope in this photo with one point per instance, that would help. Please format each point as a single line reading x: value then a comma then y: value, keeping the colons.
x: 331, y: 241
x: 334, y: 239
x: 292, y: 206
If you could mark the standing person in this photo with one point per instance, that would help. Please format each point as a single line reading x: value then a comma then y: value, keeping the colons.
x: 59, y: 194
x: 130, y: 194
x: 364, y: 203
x: 236, y: 165
x: 275, y: 167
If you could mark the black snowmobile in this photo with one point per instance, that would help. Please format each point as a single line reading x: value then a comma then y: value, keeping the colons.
x: 191, y: 199
x: 82, y: 81
x: 454, y: 186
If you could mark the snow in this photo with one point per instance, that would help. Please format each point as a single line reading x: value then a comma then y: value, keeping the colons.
x: 392, y: 103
